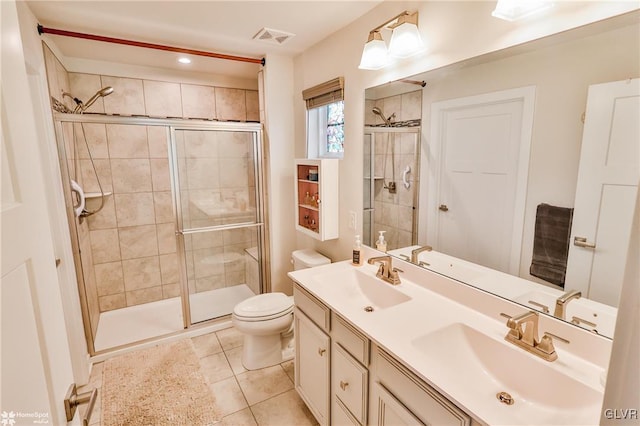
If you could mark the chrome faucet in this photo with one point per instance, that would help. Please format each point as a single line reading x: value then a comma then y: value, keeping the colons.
x: 562, y: 301
x: 523, y: 332
x: 386, y: 271
x: 416, y: 252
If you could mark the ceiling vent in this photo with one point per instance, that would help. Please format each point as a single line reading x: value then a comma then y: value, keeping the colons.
x: 273, y: 36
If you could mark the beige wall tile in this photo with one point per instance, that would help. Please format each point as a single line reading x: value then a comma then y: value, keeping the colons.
x: 52, y: 78
x: 169, y: 268
x: 213, y: 282
x: 234, y: 173
x: 96, y: 137
x: 203, y: 173
x: 198, y: 101
x: 131, y: 176
x: 170, y: 290
x: 141, y: 273
x: 145, y: 295
x: 253, y: 105
x: 109, y: 278
x: 234, y: 278
x: 235, y: 145
x: 106, y: 217
x: 138, y: 241
x: 166, y: 238
x: 163, y: 205
x: 162, y: 99
x: 198, y: 144
x: 160, y: 174
x: 105, y: 246
x: 134, y: 209
x: 114, y: 301
x: 83, y: 87
x: 230, y: 104
x: 127, y: 97
x: 127, y: 141
x: 208, y: 262
x: 158, y: 138
x: 411, y: 105
x: 63, y: 79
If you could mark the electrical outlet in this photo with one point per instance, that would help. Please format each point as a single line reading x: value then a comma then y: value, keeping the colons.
x: 352, y: 220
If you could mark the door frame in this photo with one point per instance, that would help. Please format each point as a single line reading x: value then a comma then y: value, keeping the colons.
x: 434, y: 159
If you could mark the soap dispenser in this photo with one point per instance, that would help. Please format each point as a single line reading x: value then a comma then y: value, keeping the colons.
x: 357, y: 252
x: 381, y: 244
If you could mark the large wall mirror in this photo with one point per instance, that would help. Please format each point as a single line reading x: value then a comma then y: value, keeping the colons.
x: 486, y: 165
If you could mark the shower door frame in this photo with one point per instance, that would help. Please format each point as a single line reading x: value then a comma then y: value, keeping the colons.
x: 171, y: 124
x: 372, y: 131
x: 260, y: 220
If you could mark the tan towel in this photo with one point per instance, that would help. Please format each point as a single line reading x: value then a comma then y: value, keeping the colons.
x: 551, y: 243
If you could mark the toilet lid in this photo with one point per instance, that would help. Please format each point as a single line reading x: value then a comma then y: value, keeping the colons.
x: 264, y: 305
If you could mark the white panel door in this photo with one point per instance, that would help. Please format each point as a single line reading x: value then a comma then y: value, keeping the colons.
x: 606, y: 193
x: 483, y: 152
x: 36, y: 367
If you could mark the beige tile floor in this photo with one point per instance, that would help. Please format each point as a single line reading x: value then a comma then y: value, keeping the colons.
x: 259, y: 398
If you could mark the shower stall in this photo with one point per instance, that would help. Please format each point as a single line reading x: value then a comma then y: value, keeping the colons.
x: 166, y: 218
x: 390, y: 183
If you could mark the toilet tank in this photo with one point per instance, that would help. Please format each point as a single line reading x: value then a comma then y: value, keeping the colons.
x: 308, y: 258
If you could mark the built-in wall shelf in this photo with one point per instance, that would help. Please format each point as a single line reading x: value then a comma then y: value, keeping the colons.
x: 317, y: 198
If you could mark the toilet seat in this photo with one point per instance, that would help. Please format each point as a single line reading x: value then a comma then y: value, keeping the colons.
x: 263, y: 307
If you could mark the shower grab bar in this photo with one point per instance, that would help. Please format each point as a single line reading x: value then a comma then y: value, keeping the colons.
x: 218, y: 228
x: 78, y: 208
x: 405, y: 181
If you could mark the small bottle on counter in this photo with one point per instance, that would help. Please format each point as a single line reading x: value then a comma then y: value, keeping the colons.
x: 381, y: 244
x: 357, y: 252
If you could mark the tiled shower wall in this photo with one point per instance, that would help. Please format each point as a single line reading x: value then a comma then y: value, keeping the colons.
x: 129, y: 251
x: 393, y: 213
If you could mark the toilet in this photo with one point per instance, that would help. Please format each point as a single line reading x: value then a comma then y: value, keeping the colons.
x: 266, y: 320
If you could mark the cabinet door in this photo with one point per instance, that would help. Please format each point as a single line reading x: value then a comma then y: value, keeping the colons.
x: 312, y: 366
x: 389, y: 411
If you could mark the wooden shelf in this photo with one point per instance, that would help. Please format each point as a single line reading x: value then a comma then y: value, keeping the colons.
x: 321, y: 221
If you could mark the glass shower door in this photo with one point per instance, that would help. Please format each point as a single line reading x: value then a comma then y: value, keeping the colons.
x: 217, y: 187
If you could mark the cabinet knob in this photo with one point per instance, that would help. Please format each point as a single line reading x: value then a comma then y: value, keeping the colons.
x: 321, y: 351
x: 343, y: 385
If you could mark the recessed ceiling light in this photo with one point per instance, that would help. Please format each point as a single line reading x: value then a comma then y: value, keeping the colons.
x: 184, y: 60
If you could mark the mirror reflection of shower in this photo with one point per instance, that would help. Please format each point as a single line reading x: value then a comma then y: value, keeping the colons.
x: 391, y: 186
x: 80, y: 209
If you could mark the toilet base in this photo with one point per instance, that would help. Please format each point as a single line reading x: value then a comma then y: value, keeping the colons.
x: 266, y: 351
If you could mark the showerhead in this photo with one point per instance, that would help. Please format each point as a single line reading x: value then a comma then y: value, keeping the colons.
x: 105, y: 91
x: 377, y: 111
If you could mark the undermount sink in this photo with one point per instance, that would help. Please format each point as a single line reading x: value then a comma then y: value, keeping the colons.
x: 363, y: 290
x: 479, y: 367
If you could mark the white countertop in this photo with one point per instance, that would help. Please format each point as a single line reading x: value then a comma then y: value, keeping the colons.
x: 396, y: 327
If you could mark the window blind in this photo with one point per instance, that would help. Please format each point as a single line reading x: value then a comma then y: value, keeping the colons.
x: 325, y: 93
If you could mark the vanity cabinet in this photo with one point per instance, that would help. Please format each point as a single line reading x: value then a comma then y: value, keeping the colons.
x: 400, y: 397
x: 317, y: 198
x: 345, y: 379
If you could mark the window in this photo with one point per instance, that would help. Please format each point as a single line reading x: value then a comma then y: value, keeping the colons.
x: 325, y: 119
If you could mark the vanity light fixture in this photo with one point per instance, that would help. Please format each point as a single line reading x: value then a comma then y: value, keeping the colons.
x: 184, y: 60
x: 405, y: 41
x: 512, y: 10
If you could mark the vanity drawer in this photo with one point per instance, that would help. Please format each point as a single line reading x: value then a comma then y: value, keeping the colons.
x: 350, y: 339
x: 349, y: 381
x: 340, y: 416
x: 312, y: 307
x: 422, y: 400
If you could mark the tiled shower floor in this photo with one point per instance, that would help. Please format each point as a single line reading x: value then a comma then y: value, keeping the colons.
x: 135, y: 323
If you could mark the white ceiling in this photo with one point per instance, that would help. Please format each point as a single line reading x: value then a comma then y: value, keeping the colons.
x: 214, y: 26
